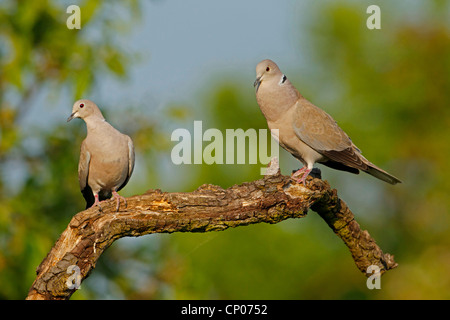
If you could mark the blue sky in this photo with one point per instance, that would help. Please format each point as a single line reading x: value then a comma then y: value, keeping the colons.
x: 184, y: 42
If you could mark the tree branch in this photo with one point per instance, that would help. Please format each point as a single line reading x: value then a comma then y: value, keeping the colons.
x: 209, y: 208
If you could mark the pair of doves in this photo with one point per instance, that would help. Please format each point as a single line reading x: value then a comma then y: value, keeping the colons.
x: 307, y: 132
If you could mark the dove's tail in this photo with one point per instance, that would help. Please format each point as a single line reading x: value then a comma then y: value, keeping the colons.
x: 381, y: 174
x: 88, y: 196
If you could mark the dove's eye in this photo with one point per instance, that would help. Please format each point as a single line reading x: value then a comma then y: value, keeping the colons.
x: 267, y: 69
x: 81, y: 105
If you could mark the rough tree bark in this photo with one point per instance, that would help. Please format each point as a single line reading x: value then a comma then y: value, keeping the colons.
x: 209, y: 208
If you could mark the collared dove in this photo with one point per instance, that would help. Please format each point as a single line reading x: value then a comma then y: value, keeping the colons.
x: 307, y: 132
x: 106, y: 157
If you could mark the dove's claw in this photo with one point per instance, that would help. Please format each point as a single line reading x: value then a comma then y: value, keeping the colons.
x: 304, y: 172
x: 118, y: 197
x: 97, y: 203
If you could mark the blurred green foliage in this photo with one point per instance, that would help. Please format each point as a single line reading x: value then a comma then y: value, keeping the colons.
x: 389, y: 89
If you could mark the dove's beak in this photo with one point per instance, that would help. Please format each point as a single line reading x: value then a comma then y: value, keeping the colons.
x: 257, y: 83
x: 71, y: 116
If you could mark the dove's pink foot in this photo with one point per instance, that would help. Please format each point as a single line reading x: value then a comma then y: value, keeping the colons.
x: 304, y: 172
x: 97, y: 203
x: 118, y: 197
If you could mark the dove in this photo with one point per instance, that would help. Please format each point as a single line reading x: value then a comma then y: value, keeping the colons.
x: 106, y: 157
x: 310, y: 134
